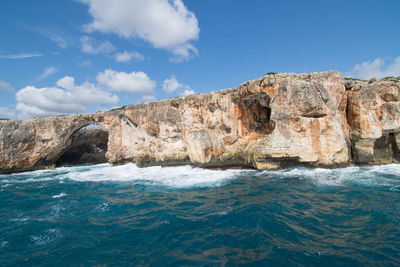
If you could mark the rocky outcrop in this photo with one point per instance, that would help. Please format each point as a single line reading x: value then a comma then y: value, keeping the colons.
x: 373, y: 114
x: 279, y: 120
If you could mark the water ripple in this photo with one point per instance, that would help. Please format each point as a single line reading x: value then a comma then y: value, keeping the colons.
x: 124, y: 215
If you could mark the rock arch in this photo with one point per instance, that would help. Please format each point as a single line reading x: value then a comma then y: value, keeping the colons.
x: 79, y: 140
x: 89, y: 144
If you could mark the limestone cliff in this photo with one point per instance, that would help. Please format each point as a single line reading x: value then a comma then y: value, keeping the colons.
x: 316, y: 119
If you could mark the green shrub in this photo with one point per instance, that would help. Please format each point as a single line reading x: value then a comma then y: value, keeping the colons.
x: 354, y: 79
x: 271, y: 73
x: 390, y: 78
x: 120, y: 108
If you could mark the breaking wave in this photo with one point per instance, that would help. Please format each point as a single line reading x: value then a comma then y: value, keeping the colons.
x: 189, y: 176
x: 99, y: 214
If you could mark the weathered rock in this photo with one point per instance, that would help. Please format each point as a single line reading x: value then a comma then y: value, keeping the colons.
x: 271, y: 122
x: 373, y: 113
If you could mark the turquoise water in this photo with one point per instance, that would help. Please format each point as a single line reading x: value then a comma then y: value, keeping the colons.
x: 124, y: 215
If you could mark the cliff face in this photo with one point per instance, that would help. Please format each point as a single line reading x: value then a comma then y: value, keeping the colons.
x: 315, y: 119
x: 373, y: 113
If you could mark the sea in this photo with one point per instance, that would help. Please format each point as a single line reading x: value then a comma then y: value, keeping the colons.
x: 104, y: 215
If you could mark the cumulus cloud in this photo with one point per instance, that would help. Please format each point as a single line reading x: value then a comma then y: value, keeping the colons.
x: 165, y: 24
x: 89, y: 46
x: 67, y: 83
x: 5, y: 86
x: 377, y: 68
x: 128, y: 56
x: 134, y: 82
x: 21, y: 55
x: 47, y: 72
x: 171, y: 85
x: 67, y: 97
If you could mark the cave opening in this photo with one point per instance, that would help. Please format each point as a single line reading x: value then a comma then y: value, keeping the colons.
x: 257, y: 113
x: 88, y: 146
x: 386, y: 149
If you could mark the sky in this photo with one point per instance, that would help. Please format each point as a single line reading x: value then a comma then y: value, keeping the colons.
x: 80, y: 56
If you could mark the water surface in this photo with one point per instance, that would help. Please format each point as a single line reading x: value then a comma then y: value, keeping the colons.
x: 103, y: 214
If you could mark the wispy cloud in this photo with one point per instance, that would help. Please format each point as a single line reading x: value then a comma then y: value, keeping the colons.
x: 47, y: 72
x: 61, y: 38
x: 21, y: 55
x: 378, y: 68
x: 5, y: 86
x: 90, y: 46
x: 85, y: 63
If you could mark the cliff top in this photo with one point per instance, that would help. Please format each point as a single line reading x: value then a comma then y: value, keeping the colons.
x: 351, y: 84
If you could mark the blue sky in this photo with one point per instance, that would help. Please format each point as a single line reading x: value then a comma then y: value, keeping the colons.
x: 70, y: 56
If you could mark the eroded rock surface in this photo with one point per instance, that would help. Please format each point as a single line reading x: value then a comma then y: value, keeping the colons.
x: 316, y: 119
x: 373, y: 113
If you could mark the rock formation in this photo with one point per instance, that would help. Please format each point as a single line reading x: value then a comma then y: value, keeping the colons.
x: 279, y: 120
x: 88, y: 145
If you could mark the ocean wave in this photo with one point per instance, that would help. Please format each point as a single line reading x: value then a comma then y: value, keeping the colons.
x: 176, y: 177
x: 189, y: 176
x: 380, y: 175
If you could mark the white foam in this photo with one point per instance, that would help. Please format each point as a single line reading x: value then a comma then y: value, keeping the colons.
x: 179, y: 177
x: 59, y: 195
x: 381, y: 175
x: 102, y: 207
x: 20, y: 219
x: 46, y: 237
x: 188, y: 176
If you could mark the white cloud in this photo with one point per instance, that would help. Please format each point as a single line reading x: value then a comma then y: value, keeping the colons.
x: 47, y: 72
x: 171, y: 85
x: 165, y: 24
x: 6, y: 113
x: 59, y: 40
x: 128, y: 56
x: 377, y: 68
x: 66, y: 98
x: 5, y: 86
x: 89, y: 46
x: 134, y: 82
x: 67, y: 83
x: 188, y: 92
x: 21, y: 55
